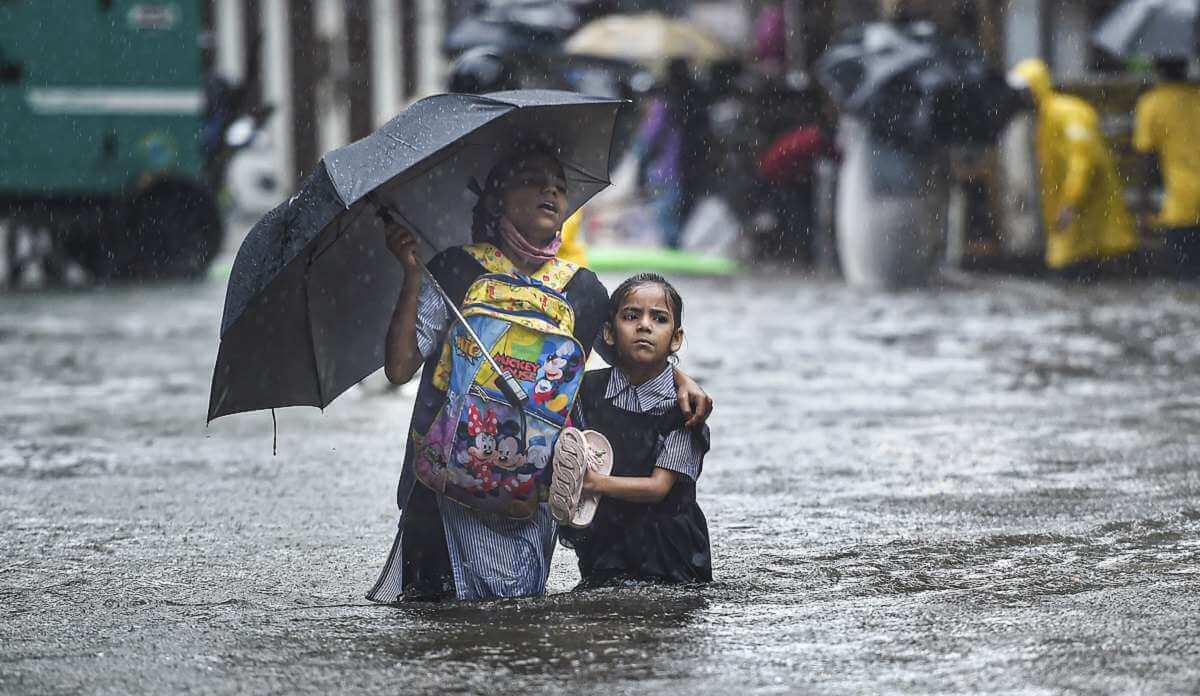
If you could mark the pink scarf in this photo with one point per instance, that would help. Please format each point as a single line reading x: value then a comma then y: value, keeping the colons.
x: 519, y: 249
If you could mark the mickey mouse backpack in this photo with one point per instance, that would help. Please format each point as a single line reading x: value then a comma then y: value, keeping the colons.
x: 481, y: 450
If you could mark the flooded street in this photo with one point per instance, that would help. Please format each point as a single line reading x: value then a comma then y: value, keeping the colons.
x: 989, y: 487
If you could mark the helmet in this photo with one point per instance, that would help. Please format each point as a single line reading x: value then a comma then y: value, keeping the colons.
x: 481, y: 69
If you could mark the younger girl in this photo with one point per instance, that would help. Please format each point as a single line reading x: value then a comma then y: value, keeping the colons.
x: 648, y: 526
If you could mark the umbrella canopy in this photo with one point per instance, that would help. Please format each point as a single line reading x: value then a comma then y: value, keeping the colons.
x: 313, y: 285
x: 551, y: 14
x: 506, y: 37
x: 650, y: 39
x: 1162, y: 29
x: 914, y: 88
x: 514, y: 26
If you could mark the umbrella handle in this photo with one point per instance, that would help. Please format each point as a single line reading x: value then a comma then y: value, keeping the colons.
x: 508, y: 384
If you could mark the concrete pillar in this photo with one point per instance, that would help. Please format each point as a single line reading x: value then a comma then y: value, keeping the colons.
x: 1070, y: 50
x: 277, y: 78
x: 302, y: 56
x: 332, y: 63
x: 431, y: 71
x: 359, y: 68
x: 229, y: 26
x: 1023, y: 31
x: 408, y: 49
x: 387, y: 62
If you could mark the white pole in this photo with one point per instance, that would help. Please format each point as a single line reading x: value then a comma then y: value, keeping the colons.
x: 386, y: 60
x: 431, y: 66
x: 228, y: 25
x: 333, y: 103
x: 277, y: 76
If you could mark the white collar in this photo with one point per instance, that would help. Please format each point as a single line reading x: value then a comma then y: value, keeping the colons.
x: 650, y: 394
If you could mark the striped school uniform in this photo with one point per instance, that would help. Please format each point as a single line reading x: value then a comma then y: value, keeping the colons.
x: 664, y: 541
x: 443, y: 549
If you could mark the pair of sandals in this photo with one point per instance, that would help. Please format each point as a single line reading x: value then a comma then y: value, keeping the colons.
x: 575, y: 452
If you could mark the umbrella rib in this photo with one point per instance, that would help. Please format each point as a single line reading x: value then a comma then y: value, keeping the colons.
x: 312, y: 340
x: 589, y: 177
x: 343, y: 224
x: 402, y: 141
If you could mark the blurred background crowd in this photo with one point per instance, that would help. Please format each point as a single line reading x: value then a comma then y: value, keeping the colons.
x: 879, y: 137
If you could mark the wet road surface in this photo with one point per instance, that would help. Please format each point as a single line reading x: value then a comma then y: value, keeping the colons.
x: 988, y: 487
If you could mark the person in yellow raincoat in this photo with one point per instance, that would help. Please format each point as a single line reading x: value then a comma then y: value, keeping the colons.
x: 1165, y: 126
x: 573, y: 248
x: 1089, y: 230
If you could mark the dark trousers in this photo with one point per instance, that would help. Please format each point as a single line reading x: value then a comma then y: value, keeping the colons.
x: 427, y: 572
x: 1090, y: 271
x: 1181, y: 252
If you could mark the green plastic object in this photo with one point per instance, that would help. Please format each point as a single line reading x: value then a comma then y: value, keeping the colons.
x: 660, y: 260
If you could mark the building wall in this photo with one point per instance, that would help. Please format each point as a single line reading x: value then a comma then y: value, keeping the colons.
x: 327, y: 65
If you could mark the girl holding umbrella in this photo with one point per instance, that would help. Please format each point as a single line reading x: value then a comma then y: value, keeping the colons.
x: 445, y: 550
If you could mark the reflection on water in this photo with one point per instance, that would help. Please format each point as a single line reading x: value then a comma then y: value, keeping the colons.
x: 534, y: 636
x: 986, y: 487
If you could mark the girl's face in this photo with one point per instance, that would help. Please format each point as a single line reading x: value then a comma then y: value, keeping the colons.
x: 644, y: 332
x: 534, y: 199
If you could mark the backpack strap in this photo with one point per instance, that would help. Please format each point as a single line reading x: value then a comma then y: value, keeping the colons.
x: 554, y: 274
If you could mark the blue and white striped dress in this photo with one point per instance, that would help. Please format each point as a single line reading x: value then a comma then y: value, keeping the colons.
x: 490, y: 555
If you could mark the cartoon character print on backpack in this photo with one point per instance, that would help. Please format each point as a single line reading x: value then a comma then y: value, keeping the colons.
x: 518, y: 475
x: 482, y: 449
x: 557, y: 366
x: 478, y: 458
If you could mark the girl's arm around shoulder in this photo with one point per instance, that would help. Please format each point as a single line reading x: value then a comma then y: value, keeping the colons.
x: 695, y: 403
x: 634, y: 489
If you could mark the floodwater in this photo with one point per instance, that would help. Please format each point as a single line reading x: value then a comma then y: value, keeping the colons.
x: 986, y: 487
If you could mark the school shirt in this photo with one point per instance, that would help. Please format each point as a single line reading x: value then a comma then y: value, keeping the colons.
x: 1166, y: 123
x: 677, y: 450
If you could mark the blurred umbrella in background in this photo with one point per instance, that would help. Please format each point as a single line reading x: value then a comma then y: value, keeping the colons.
x: 863, y: 59
x: 529, y: 26
x: 649, y: 39
x: 474, y: 32
x: 1157, y: 29
x: 313, y: 286
x: 547, y: 14
x: 914, y: 88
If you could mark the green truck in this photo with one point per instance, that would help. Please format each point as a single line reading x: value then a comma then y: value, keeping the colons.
x: 103, y: 118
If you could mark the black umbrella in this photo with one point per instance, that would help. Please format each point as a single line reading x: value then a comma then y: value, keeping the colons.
x: 548, y: 14
x: 313, y: 286
x: 915, y: 88
x: 506, y: 37
x: 864, y: 58
x: 1162, y: 29
x: 514, y: 26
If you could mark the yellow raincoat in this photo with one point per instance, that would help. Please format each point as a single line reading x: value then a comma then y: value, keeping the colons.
x: 573, y: 248
x: 1076, y: 171
x: 1166, y: 123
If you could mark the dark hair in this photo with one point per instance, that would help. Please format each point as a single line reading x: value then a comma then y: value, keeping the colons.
x: 482, y: 218
x: 634, y: 282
